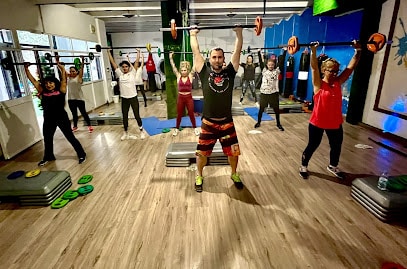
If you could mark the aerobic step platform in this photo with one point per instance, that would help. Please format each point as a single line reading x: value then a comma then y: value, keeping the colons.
x: 183, y: 154
x: 108, y: 118
x: 384, y: 205
x: 237, y: 109
x: 40, y: 190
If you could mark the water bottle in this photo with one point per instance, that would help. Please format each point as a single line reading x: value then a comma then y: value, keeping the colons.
x: 382, y: 183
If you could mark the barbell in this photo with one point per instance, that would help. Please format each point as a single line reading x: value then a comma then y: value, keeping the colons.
x: 7, y: 63
x: 258, y: 26
x: 159, y: 52
x: 374, y: 44
x: 99, y: 48
x: 49, y: 57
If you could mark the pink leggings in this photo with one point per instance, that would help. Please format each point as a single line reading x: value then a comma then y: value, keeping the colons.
x: 185, y: 101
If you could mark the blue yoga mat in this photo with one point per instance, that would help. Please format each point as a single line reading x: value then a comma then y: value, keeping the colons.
x: 254, y: 111
x: 185, y: 122
x: 150, y: 125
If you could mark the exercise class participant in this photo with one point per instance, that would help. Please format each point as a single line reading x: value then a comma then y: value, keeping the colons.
x: 248, y: 77
x: 269, y: 93
x: 327, y: 113
x: 75, y: 96
x: 139, y: 75
x: 52, y: 92
x: 217, y: 121
x: 151, y: 70
x: 128, y: 91
x: 184, y: 78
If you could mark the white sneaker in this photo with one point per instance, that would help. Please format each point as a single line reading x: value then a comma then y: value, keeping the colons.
x: 257, y: 104
x: 125, y: 136
x: 175, y: 132
x: 196, y: 131
x: 142, y: 134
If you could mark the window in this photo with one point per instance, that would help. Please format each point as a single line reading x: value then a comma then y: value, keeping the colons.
x: 28, y: 38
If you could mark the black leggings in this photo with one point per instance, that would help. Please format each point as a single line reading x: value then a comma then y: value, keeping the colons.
x: 273, y: 100
x: 151, y: 81
x: 141, y: 88
x: 74, y: 105
x: 48, y: 129
x: 335, y: 138
x: 126, y: 103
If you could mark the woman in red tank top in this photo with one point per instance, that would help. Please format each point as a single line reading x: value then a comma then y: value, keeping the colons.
x: 184, y: 78
x: 327, y: 113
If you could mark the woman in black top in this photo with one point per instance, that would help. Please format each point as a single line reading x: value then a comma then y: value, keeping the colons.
x: 52, y: 93
x: 248, y: 77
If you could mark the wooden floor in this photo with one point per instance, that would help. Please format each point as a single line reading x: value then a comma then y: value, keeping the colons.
x: 143, y: 214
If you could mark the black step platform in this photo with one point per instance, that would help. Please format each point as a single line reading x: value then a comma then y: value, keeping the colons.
x: 40, y: 190
x: 385, y: 205
x: 183, y: 154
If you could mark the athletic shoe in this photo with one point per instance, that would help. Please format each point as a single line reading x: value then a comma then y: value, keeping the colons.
x: 42, y: 163
x: 90, y: 129
x: 198, y: 183
x: 142, y: 134
x: 82, y: 159
x: 74, y: 129
x: 257, y: 104
x: 125, y: 136
x: 237, y: 181
x: 336, y: 171
x: 175, y: 132
x: 196, y: 131
x: 280, y: 127
x: 257, y: 125
x: 304, y: 172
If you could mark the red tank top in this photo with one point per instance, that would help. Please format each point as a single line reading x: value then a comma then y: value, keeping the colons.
x: 327, y: 112
x: 184, y: 86
x: 150, y: 65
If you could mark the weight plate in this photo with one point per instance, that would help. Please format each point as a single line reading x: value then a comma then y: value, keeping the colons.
x: 33, y: 173
x: 15, y: 174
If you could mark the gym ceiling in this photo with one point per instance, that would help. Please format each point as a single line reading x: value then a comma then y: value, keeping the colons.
x: 145, y: 16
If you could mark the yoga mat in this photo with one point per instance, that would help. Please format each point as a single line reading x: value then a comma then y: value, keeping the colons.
x: 254, y: 111
x: 150, y: 125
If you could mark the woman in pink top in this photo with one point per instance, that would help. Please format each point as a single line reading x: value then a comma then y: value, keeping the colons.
x: 327, y: 113
x: 184, y: 79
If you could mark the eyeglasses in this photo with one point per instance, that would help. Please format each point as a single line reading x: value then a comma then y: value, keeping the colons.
x: 332, y: 71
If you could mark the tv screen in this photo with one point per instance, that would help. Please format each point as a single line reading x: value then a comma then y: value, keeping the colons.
x: 323, y: 6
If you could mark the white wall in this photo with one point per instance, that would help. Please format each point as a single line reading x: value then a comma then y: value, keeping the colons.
x: 371, y: 117
x: 20, y: 15
x: 67, y: 21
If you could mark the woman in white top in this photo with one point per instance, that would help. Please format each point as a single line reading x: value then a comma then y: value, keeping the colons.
x: 75, y: 96
x: 269, y: 92
x: 139, y: 75
x: 128, y: 92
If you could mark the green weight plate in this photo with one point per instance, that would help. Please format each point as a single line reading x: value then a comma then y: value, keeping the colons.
x: 85, y: 179
x: 70, y: 195
x: 59, y: 203
x: 159, y: 52
x: 394, y: 185
x: 85, y: 189
x: 165, y: 130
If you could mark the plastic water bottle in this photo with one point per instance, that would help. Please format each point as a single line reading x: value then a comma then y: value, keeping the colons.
x: 382, y: 183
